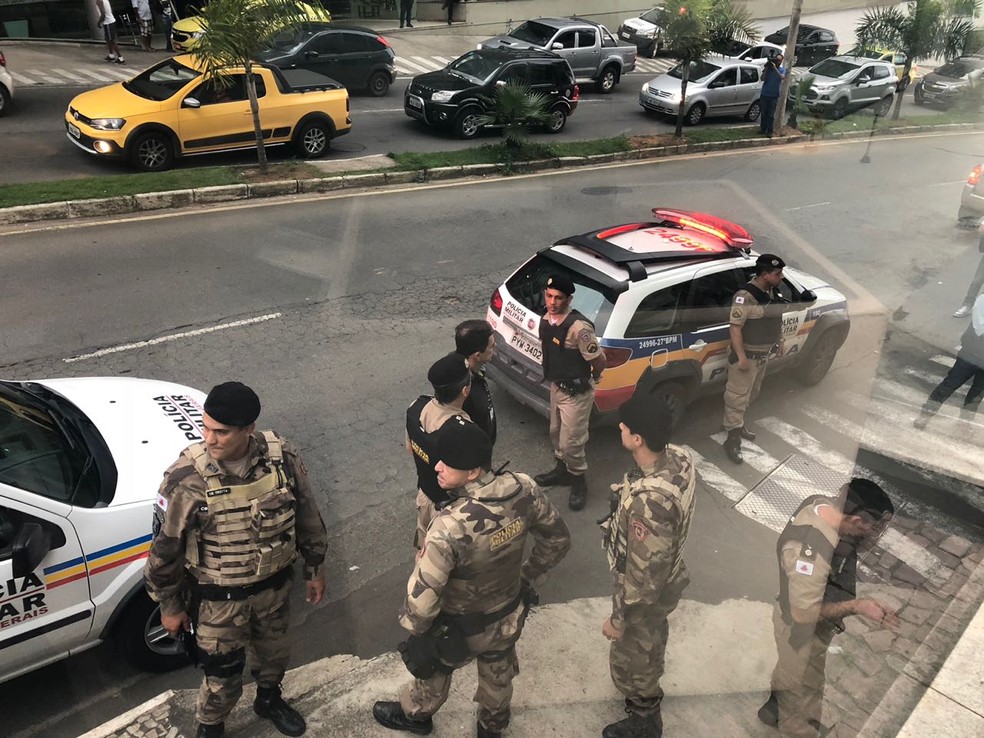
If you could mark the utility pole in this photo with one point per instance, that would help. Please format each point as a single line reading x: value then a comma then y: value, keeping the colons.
x: 794, y: 25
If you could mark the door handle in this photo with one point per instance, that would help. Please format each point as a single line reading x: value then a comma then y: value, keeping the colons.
x: 698, y: 345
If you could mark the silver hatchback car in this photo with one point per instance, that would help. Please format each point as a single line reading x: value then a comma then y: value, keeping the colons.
x: 842, y: 84
x: 718, y: 86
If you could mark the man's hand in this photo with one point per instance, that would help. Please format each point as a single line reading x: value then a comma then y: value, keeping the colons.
x: 743, y: 363
x: 315, y: 589
x: 175, y: 623
x: 610, y: 631
x: 877, y: 612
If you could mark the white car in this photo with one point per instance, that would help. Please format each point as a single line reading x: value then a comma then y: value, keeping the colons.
x: 6, y: 85
x: 81, y: 461
x: 646, y: 30
x: 757, y: 53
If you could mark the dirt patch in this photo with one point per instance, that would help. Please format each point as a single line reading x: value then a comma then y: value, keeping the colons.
x: 649, y: 142
x: 280, y: 172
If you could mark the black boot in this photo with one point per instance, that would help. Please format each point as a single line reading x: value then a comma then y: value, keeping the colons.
x: 484, y: 732
x: 635, y: 725
x: 270, y: 705
x: 746, y: 434
x: 732, y: 445
x: 769, y: 712
x: 391, y: 715
x: 210, y: 731
x: 579, y: 492
x: 556, y: 477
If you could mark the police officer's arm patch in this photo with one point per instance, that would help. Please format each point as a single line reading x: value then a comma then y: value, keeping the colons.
x: 804, y: 567
x: 639, y: 531
x: 739, y: 300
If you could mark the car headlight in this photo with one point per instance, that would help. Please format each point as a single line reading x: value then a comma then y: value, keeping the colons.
x: 196, y: 34
x: 107, y: 124
x: 645, y: 87
x: 649, y: 34
x: 442, y: 96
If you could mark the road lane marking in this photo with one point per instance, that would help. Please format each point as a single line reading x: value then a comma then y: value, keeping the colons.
x: 804, y: 207
x: 21, y: 79
x: 96, y: 75
x: 41, y: 75
x: 807, y: 444
x: 69, y: 75
x: 716, y: 478
x: 172, y: 337
x: 407, y: 64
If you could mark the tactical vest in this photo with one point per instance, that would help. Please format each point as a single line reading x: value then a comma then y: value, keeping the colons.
x: 251, y: 533
x: 766, y: 330
x: 559, y: 362
x: 479, y: 406
x: 423, y: 446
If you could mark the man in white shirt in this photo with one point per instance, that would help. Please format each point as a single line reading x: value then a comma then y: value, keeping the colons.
x: 107, y: 22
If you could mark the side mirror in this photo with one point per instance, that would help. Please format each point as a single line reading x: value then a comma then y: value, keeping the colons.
x: 808, y: 296
x: 191, y: 102
x: 30, y: 547
x: 500, y: 83
x: 556, y: 45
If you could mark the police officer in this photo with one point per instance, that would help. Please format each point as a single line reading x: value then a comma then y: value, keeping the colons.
x: 756, y: 332
x: 470, y: 577
x: 232, y: 515
x: 644, y: 538
x: 451, y: 380
x: 818, y: 556
x: 572, y: 363
x: 475, y: 340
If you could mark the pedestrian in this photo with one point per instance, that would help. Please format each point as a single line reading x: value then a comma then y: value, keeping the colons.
x: 449, y: 5
x: 145, y: 22
x: 644, y: 539
x: 572, y: 364
x: 470, y: 590
x: 976, y: 283
x: 818, y: 556
x: 451, y: 380
x: 164, y: 9
x: 107, y: 22
x: 968, y: 366
x: 756, y: 333
x: 475, y: 341
x: 406, y: 13
x: 772, y: 76
x: 232, y: 515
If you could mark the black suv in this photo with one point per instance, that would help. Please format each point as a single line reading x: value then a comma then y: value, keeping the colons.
x: 458, y: 95
x: 813, y: 44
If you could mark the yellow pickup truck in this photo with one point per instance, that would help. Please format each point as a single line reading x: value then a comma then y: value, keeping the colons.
x: 170, y: 111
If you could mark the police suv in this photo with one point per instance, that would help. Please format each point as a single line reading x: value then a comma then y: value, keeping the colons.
x: 80, y: 464
x: 659, y: 295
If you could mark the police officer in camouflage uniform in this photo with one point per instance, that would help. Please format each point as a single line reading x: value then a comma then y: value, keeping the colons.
x: 756, y: 333
x: 475, y: 340
x: 644, y: 538
x: 231, y: 517
x: 572, y: 363
x: 818, y: 555
x: 470, y: 577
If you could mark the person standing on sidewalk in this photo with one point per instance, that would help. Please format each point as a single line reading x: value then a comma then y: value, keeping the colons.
x: 232, y: 515
x: 756, y: 331
x: 145, y: 22
x: 475, y: 341
x: 772, y: 77
x: 406, y: 13
x: 975, y: 283
x: 572, y: 363
x: 818, y: 556
x: 107, y: 22
x: 644, y: 539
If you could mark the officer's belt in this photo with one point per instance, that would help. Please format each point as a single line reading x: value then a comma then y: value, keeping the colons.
x: 474, y: 623
x: 215, y: 592
x: 757, y: 354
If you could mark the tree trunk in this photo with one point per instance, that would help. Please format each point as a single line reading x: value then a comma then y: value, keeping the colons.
x: 897, y: 108
x: 681, y: 112
x: 254, y: 108
x: 794, y: 24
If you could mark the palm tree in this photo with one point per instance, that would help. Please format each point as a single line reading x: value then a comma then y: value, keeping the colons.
x: 696, y: 30
x: 516, y: 108
x: 236, y: 31
x: 927, y: 29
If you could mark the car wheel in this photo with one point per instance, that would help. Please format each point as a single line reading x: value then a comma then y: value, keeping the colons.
x: 917, y: 97
x: 753, y: 112
x: 467, y: 125
x: 557, y: 120
x: 840, y: 109
x: 675, y: 397
x: 379, y: 84
x: 883, y: 106
x: 142, y: 639
x: 608, y: 79
x: 695, y: 115
x: 4, y: 100
x: 818, y: 362
x: 152, y: 152
x: 313, y: 139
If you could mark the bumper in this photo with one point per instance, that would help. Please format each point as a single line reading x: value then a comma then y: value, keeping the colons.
x: 433, y: 114
x: 645, y: 44
x: 520, y: 378
x: 659, y: 104
x: 95, y: 145
x: 971, y: 203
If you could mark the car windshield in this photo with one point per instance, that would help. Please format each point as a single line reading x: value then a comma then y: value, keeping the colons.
x: 834, y: 68
x: 290, y: 41
x: 730, y: 47
x: 162, y: 81
x: 865, y: 53
x: 592, y: 299
x: 534, y: 33
x: 957, y: 69
x: 475, y: 66
x: 657, y: 16
x: 698, y: 70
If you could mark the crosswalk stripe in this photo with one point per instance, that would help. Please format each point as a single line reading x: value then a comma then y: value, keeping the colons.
x: 917, y: 557
x: 717, y: 479
x: 121, y: 74
x: 444, y: 60
x: 69, y: 75
x: 807, y: 444
x: 407, y: 64
x: 21, y: 79
x: 922, y: 375
x: 45, y: 77
x: 427, y: 62
x: 755, y: 456
x: 96, y: 75
x: 946, y: 361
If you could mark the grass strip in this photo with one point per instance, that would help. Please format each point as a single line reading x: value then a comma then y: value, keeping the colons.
x: 501, y: 153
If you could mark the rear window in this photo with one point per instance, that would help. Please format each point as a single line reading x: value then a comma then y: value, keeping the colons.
x: 593, y: 300
x: 957, y: 69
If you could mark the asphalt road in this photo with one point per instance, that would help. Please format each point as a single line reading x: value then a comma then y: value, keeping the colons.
x: 369, y: 287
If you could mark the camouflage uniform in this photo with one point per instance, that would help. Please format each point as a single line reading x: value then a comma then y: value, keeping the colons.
x: 472, y: 563
x: 644, y: 541
x: 226, y: 629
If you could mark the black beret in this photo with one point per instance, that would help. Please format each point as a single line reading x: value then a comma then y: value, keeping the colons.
x: 448, y: 370
x: 561, y: 283
x: 649, y: 417
x: 233, y: 403
x: 769, y: 261
x: 464, y: 446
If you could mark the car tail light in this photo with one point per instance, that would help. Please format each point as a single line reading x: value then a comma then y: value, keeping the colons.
x: 616, y: 356
x: 348, y: 104
x: 382, y: 40
x: 496, y: 302
x: 731, y: 233
x: 577, y: 93
x: 3, y: 60
x: 975, y: 175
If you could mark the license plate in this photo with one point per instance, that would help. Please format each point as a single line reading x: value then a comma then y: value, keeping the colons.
x: 74, y: 130
x: 626, y: 34
x: 415, y: 102
x: 529, y: 347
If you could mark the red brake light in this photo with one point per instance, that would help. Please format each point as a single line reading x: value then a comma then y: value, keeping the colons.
x: 616, y: 356
x: 975, y: 175
x: 577, y: 93
x: 496, y: 303
x: 3, y: 60
x: 382, y: 40
x: 731, y: 233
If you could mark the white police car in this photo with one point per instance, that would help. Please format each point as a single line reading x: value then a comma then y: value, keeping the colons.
x: 659, y: 294
x: 80, y: 464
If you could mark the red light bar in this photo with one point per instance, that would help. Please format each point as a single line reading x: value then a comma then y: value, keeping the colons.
x: 975, y: 175
x: 731, y: 233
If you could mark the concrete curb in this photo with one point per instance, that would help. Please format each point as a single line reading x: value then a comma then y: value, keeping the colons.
x: 150, y: 201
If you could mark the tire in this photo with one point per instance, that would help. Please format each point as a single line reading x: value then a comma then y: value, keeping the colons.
x: 143, y: 642
x: 313, y: 139
x: 4, y: 100
x: 466, y: 125
x: 817, y: 363
x: 379, y: 84
x: 558, y: 119
x: 883, y: 106
x: 675, y: 396
x: 695, y: 115
x: 152, y: 152
x: 840, y: 109
x: 608, y: 79
x: 917, y: 97
x: 753, y: 112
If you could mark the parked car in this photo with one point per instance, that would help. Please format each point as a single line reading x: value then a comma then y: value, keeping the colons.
x: 357, y: 57
x: 659, y: 295
x: 897, y: 58
x: 646, y: 31
x: 6, y: 86
x: 757, y: 53
x: 170, y: 111
x: 813, y: 43
x: 950, y: 83
x: 80, y: 466
x: 186, y: 31
x: 593, y: 52
x: 972, y: 199
x: 718, y: 86
x: 843, y: 84
x: 455, y: 97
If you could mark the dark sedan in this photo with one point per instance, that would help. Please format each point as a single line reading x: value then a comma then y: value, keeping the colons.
x: 956, y: 81
x: 813, y: 44
x: 356, y: 57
